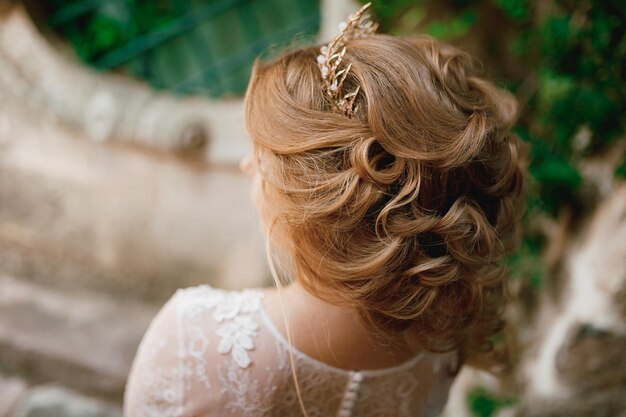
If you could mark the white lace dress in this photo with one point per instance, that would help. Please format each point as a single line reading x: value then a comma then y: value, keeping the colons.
x: 212, y: 352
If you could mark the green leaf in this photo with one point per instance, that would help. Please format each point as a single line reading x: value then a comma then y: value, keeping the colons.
x: 620, y: 171
x: 517, y: 10
x: 483, y: 403
x: 452, y: 28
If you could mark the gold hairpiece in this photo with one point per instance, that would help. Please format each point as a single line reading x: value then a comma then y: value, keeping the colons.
x: 358, y: 25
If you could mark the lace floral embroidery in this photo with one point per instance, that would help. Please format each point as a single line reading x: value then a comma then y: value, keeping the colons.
x: 233, y: 310
x: 237, y: 338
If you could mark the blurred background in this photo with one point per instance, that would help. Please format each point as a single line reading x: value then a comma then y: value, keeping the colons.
x: 120, y: 134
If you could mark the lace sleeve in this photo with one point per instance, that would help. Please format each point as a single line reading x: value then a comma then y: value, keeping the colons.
x: 196, y: 358
x: 155, y: 384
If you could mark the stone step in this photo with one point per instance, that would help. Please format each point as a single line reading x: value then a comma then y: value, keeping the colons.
x: 11, y: 391
x: 82, y: 340
x: 51, y: 401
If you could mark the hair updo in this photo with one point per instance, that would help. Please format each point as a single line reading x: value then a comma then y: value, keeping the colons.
x: 406, y: 210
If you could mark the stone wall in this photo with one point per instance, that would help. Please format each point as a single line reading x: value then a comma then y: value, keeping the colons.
x: 103, y: 185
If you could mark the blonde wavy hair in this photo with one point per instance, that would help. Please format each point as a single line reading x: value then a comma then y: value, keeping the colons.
x: 406, y: 210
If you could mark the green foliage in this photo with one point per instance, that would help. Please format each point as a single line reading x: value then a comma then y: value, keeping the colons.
x: 454, y: 27
x: 620, y: 171
x: 576, y: 54
x: 516, y: 10
x: 389, y: 12
x: 482, y: 403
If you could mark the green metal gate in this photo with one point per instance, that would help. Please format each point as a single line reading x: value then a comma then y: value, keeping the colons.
x: 186, y: 46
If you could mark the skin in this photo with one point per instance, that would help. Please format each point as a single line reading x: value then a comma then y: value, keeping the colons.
x: 328, y: 333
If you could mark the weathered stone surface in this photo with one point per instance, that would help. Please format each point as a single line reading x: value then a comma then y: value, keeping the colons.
x: 81, y: 340
x: 11, y: 391
x: 575, y: 364
x: 59, y: 402
x: 77, y: 212
x: 123, y: 218
x: 593, y: 361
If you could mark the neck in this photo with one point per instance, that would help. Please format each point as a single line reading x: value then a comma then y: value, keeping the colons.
x: 332, y: 333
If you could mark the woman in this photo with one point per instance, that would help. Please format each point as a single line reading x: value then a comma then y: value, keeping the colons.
x: 389, y: 187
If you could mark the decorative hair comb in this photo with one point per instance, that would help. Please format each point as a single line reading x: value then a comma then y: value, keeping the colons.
x: 358, y: 25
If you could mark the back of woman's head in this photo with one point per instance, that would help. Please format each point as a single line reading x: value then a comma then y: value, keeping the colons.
x: 405, y: 210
